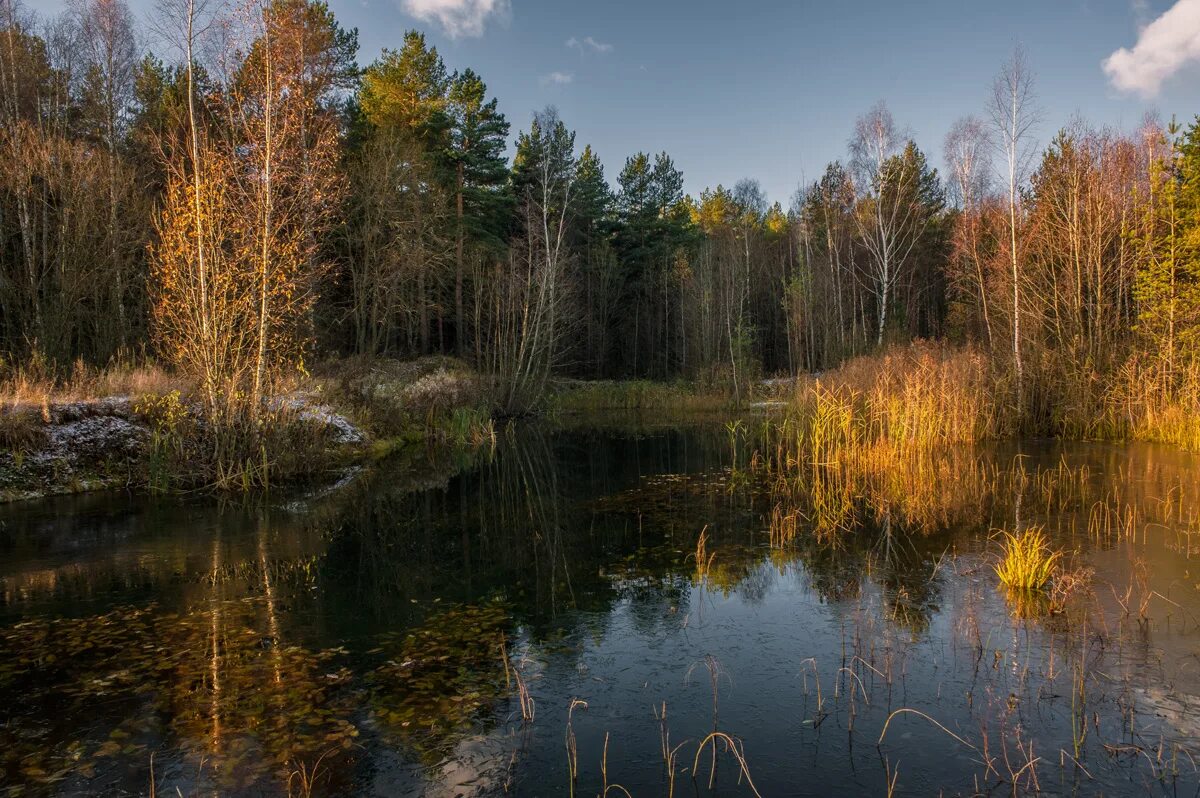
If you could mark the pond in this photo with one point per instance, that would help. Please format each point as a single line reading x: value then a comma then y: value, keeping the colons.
x: 608, y: 608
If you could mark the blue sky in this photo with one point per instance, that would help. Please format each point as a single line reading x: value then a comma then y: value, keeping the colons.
x: 770, y: 89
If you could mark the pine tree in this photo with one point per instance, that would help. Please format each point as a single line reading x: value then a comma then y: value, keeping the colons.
x: 404, y: 95
x: 407, y: 89
x: 479, y: 173
x: 1167, y: 281
x: 592, y: 231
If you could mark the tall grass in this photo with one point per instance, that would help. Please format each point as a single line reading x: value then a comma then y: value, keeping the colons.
x: 892, y: 407
x: 896, y: 432
x: 882, y: 415
x: 1144, y: 405
x: 905, y: 403
x: 892, y: 434
x: 236, y: 448
x: 37, y: 382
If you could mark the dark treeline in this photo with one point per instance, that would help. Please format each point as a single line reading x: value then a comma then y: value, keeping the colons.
x: 257, y: 198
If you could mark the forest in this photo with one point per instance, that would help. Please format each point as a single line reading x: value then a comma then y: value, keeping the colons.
x: 254, y: 202
x: 359, y: 439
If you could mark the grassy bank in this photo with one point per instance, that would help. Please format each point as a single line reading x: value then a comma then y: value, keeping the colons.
x: 137, y: 426
x: 880, y: 424
x: 577, y: 396
x: 893, y: 436
x: 913, y: 399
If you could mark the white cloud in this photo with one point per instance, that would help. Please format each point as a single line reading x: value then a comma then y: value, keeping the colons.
x: 457, y: 17
x: 1163, y: 47
x: 588, y: 44
x: 556, y: 79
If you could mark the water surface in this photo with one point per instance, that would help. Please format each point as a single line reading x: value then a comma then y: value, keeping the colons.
x: 501, y: 623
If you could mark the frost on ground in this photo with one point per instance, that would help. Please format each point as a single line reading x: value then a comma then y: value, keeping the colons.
x: 79, y: 446
x: 417, y: 386
x: 341, y: 429
x: 106, y: 428
x: 86, y: 445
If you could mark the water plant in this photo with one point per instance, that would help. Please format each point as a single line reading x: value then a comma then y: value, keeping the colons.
x: 704, y: 559
x: 572, y: 747
x: 1027, y: 561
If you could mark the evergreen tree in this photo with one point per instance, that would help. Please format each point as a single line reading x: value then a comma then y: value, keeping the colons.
x: 1167, y: 281
x: 479, y: 174
x: 407, y: 89
x: 601, y: 279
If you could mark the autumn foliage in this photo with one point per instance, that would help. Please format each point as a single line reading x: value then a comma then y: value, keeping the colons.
x: 237, y: 261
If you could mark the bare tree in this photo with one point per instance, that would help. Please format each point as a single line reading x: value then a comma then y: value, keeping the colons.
x: 109, y: 49
x: 889, y: 222
x: 1014, y: 114
x: 531, y: 300
x: 969, y: 164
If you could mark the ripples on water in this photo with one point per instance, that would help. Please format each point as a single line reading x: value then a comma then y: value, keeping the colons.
x: 376, y: 639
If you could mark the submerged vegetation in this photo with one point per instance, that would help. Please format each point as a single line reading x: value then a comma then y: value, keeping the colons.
x: 461, y: 637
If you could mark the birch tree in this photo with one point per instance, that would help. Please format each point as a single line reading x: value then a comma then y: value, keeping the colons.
x: 967, y: 157
x: 890, y: 222
x: 1013, y: 115
x: 532, y: 305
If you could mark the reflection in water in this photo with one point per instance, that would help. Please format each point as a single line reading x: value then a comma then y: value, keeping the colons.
x: 374, y: 640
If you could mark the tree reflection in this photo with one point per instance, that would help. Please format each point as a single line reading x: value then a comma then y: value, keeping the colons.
x: 370, y: 622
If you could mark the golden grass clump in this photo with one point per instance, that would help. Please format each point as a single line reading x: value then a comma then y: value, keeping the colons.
x: 784, y: 526
x: 896, y: 428
x: 704, y: 558
x: 1027, y: 562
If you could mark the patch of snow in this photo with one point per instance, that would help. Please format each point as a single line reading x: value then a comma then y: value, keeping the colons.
x: 342, y: 428
x: 96, y: 436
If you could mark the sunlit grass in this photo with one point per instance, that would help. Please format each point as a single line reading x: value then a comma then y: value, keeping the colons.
x: 879, y: 412
x: 37, y: 382
x: 1027, y: 561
